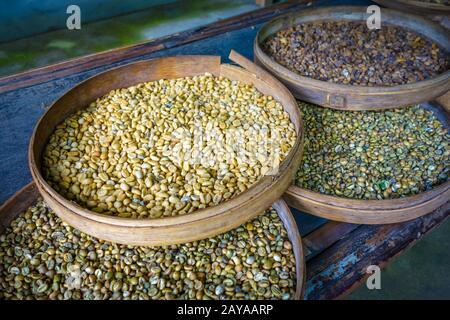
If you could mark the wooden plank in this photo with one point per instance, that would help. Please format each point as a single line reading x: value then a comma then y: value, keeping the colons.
x: 338, y: 270
x: 306, y: 224
x: 88, y: 62
x: 326, y: 235
x: 445, y: 101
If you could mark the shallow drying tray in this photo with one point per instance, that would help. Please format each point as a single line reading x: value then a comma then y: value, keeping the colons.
x: 351, y: 97
x: 179, y: 229
x: 28, y: 195
x: 373, y: 211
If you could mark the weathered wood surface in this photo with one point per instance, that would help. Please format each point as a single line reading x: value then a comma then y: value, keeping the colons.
x: 335, y: 271
x: 24, y: 97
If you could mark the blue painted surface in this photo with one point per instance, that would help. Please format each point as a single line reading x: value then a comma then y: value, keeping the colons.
x: 330, y: 272
x: 23, y: 18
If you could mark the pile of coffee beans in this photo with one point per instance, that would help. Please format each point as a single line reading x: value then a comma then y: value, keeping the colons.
x: 41, y: 257
x: 373, y: 154
x: 168, y: 147
x: 347, y: 52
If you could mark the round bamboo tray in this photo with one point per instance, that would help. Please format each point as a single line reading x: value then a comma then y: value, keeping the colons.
x: 350, y: 97
x: 179, y: 229
x: 416, y: 7
x: 28, y: 195
x: 372, y: 211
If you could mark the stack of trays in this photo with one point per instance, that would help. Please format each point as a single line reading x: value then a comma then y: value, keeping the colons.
x: 335, y: 95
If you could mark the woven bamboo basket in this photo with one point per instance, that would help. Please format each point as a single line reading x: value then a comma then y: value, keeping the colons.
x: 373, y: 211
x: 351, y: 97
x: 28, y: 195
x: 179, y: 229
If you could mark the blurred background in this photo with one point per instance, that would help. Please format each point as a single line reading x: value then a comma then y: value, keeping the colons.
x: 34, y: 34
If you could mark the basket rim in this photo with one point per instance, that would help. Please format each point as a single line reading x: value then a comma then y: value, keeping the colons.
x: 370, y: 204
